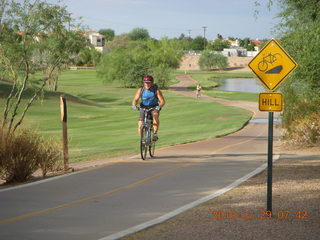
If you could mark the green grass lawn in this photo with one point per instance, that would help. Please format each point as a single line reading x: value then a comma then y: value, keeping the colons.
x: 102, y: 124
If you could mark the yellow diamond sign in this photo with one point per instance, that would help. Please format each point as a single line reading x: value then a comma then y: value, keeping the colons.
x: 272, y: 65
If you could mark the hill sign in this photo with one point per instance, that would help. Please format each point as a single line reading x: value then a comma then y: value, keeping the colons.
x: 270, y: 102
x: 272, y: 65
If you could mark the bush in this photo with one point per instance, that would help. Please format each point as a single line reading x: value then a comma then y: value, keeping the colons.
x: 304, y: 132
x: 23, y: 153
x: 209, y: 60
x: 50, y: 156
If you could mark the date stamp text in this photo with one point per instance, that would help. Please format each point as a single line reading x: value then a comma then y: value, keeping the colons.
x: 251, y: 214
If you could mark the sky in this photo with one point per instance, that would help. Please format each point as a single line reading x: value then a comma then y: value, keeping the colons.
x: 171, y: 18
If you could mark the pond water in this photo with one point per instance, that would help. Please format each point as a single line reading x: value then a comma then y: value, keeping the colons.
x: 250, y: 85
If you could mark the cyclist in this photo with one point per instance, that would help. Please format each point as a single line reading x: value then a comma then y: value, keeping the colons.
x: 151, y: 97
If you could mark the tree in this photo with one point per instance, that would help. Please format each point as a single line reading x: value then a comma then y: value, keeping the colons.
x: 107, y: 33
x: 244, y: 42
x: 55, y: 50
x: 209, y: 60
x: 139, y: 34
x: 129, y: 64
x: 219, y: 44
x: 119, y: 41
x: 33, y: 39
x: 182, y: 36
x: 198, y: 43
x: 88, y: 56
x: 185, y: 43
x: 250, y: 47
x: 3, y: 5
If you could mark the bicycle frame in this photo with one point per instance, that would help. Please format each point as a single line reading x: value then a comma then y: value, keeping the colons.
x: 269, y: 59
x: 148, y: 123
x: 146, y: 141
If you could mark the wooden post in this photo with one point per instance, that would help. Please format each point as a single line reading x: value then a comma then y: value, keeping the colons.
x: 63, y: 108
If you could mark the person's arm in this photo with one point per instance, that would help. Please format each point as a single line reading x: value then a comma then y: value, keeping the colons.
x: 162, y: 102
x: 136, y: 97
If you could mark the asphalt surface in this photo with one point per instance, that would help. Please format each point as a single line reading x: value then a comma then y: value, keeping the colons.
x: 109, y: 200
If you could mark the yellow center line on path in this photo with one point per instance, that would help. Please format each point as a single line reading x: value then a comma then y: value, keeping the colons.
x: 236, y: 144
x: 121, y: 189
x: 49, y: 210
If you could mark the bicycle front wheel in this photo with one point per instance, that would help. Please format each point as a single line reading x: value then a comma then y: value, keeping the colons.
x: 263, y: 66
x: 143, y: 144
x: 152, y: 145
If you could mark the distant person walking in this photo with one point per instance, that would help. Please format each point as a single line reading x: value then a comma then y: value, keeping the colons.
x: 199, y: 90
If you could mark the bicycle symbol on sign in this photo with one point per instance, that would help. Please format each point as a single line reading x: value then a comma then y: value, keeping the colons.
x: 269, y: 59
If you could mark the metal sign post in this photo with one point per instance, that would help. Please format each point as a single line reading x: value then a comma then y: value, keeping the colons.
x: 270, y: 161
x: 272, y: 65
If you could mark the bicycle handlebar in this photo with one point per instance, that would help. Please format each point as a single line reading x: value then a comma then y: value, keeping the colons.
x: 147, y: 109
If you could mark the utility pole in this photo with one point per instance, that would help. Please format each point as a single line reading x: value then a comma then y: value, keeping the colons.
x: 189, y: 33
x: 204, y: 37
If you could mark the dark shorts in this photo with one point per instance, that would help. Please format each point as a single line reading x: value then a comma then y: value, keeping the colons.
x: 141, y: 117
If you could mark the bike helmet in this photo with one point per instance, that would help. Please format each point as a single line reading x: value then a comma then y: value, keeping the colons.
x: 148, y: 79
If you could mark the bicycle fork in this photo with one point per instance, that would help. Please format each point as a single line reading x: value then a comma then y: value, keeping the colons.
x: 147, y: 136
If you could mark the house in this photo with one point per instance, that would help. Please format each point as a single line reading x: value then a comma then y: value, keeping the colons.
x: 234, y: 44
x: 97, y: 40
x: 258, y: 44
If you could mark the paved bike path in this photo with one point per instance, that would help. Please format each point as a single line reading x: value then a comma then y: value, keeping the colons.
x: 104, y: 201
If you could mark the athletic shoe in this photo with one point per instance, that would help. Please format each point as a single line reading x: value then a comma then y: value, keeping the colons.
x: 155, y: 137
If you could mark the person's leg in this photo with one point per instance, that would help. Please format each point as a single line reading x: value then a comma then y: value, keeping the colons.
x: 140, y: 123
x: 156, y: 121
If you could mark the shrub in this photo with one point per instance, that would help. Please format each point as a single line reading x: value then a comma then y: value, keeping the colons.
x: 50, y: 157
x: 304, y: 132
x: 209, y: 60
x: 18, y: 153
x: 23, y: 153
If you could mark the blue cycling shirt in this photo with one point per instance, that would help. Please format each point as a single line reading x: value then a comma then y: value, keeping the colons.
x: 149, y: 97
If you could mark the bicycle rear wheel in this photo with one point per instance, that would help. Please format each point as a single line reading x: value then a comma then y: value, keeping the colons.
x: 152, y: 145
x: 143, y: 144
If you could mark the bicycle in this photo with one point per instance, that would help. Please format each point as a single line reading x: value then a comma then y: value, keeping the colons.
x: 147, y: 132
x: 269, y: 59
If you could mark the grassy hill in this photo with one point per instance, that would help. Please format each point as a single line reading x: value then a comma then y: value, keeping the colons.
x: 102, y: 124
